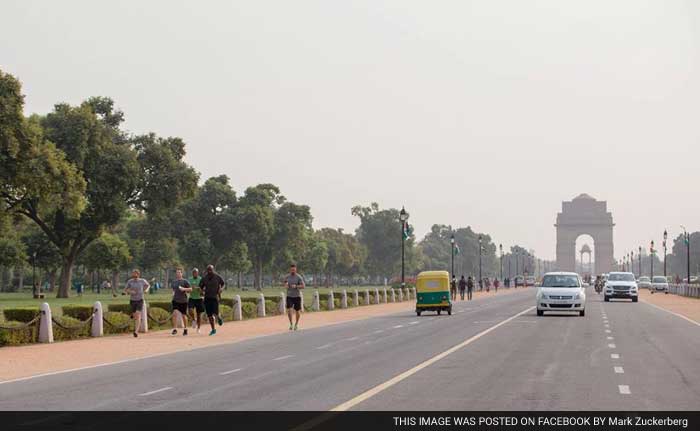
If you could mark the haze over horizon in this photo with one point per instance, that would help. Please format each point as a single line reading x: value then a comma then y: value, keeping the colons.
x: 479, y: 113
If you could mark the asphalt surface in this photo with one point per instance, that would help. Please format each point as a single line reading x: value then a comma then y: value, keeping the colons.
x: 491, y: 358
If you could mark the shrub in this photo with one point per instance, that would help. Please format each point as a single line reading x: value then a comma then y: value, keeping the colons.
x: 159, y: 318
x: 250, y: 310
x: 225, y: 311
x: 307, y: 308
x: 323, y: 304
x: 80, y: 312
x: 20, y: 335
x: 117, y: 320
x: 75, y: 328
x: 271, y: 307
x: 20, y: 314
x: 398, y: 285
x: 120, y: 308
x: 163, y: 305
x: 336, y: 302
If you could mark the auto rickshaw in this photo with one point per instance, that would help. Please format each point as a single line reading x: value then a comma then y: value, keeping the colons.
x: 433, y: 292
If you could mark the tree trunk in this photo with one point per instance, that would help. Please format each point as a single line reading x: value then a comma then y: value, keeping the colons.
x: 238, y: 280
x: 258, y: 273
x: 52, y: 280
x: 115, y: 282
x: 66, y: 277
x: 11, y: 280
x: 21, y: 279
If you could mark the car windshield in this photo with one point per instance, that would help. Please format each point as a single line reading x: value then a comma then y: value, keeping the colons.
x: 560, y: 280
x: 643, y: 278
x: 621, y: 277
x: 659, y: 280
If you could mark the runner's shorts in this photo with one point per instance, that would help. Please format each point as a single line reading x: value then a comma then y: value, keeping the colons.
x: 294, y: 302
x: 196, y: 304
x: 136, y: 306
x: 181, y: 307
x: 211, y: 305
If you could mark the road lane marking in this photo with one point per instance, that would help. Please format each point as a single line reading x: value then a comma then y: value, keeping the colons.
x: 397, y: 326
x: 225, y: 373
x: 612, y: 346
x: 675, y: 314
x: 353, y: 338
x: 614, y: 356
x: 611, y: 338
x: 325, y: 346
x: 415, y: 322
x: 624, y: 389
x: 608, y: 331
x: 619, y: 370
x: 283, y: 357
x: 408, y: 373
x: 145, y: 394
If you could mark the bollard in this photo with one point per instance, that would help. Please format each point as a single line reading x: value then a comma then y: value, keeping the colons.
x: 331, y: 300
x: 45, y: 324
x: 377, y: 300
x: 384, y: 295
x: 261, y: 305
x: 415, y: 297
x: 344, y: 299
x: 355, y: 298
x: 316, y: 305
x: 237, y: 310
x: 179, y: 322
x: 400, y: 295
x: 301, y: 295
x: 97, y: 330
x: 393, y: 295
x: 407, y: 293
x: 143, y: 328
x: 366, y: 296
x: 283, y: 303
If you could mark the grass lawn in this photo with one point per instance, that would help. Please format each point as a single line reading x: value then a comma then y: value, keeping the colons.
x: 24, y: 298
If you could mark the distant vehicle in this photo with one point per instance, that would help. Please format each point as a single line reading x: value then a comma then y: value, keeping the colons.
x: 693, y: 279
x: 621, y: 285
x: 519, y: 280
x: 644, y: 282
x: 529, y: 280
x: 561, y: 291
x: 659, y: 284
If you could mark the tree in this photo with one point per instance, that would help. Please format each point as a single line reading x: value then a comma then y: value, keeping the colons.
x: 42, y: 253
x: 108, y: 252
x: 437, y: 251
x: 345, y: 253
x: 292, y: 234
x: 678, y: 257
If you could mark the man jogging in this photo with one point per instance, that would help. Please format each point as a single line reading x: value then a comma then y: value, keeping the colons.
x: 470, y: 287
x: 462, y: 287
x: 195, y: 305
x: 294, y: 282
x: 211, y: 285
x: 453, y: 288
x: 496, y: 283
x: 135, y: 288
x: 181, y: 288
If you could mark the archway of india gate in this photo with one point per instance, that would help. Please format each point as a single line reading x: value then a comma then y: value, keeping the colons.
x: 585, y: 216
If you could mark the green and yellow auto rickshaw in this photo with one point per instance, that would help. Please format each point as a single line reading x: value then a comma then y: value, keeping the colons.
x: 433, y: 292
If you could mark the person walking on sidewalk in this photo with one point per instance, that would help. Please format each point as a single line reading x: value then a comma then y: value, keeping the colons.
x: 294, y: 282
x: 181, y: 288
x: 470, y: 287
x: 195, y: 305
x: 462, y: 287
x: 211, y: 285
x: 496, y: 283
x: 135, y: 288
x: 453, y: 288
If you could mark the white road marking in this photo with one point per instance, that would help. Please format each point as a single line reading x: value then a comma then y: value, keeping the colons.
x: 611, y: 338
x: 145, y: 394
x: 406, y: 374
x: 353, y: 338
x: 415, y: 322
x: 624, y: 389
x: 378, y: 331
x: 619, y: 370
x: 397, y: 326
x: 612, y: 346
x: 614, y: 356
x: 608, y: 331
x: 675, y: 314
x: 230, y: 372
x: 283, y: 357
x: 607, y: 326
x: 325, y: 346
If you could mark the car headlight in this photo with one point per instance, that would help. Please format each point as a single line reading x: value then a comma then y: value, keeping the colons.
x: 578, y: 296
x: 545, y: 296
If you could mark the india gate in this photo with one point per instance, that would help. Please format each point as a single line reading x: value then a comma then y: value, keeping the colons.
x: 585, y: 216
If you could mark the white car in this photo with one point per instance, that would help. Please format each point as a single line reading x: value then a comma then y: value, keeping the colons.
x: 659, y: 284
x: 644, y: 282
x: 621, y: 285
x: 561, y: 291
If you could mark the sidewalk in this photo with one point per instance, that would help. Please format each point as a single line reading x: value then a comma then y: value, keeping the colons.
x: 683, y: 305
x: 30, y: 360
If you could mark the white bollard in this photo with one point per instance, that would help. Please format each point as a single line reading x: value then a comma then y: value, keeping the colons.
x: 331, y: 300
x: 393, y: 295
x: 344, y: 299
x: 377, y: 300
x: 413, y: 289
x: 301, y: 295
x: 143, y: 327
x: 237, y: 308
x: 400, y: 295
x: 316, y: 305
x: 283, y: 303
x: 355, y: 298
x: 384, y: 295
x: 366, y: 296
x: 97, y: 330
x: 261, y: 305
x: 45, y: 324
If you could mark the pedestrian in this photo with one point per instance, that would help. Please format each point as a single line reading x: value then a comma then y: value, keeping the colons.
x: 496, y: 283
x: 106, y: 285
x: 488, y: 284
x: 470, y: 287
x: 462, y: 287
x: 195, y: 305
x: 453, y: 288
x: 180, y: 288
x: 135, y: 288
x: 294, y: 282
x: 211, y: 285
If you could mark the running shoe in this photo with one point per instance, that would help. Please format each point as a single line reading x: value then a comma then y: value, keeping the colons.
x: 220, y: 320
x: 136, y: 334
x: 296, y: 326
x: 184, y: 331
x: 198, y: 331
x: 291, y: 326
x: 174, y: 332
x: 212, y: 332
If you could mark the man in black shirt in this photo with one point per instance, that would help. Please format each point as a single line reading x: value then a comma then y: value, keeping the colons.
x: 211, y: 285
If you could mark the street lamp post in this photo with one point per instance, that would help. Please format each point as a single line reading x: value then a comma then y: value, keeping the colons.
x: 651, y: 259
x: 664, y: 243
x: 686, y: 237
x: 452, y: 246
x: 480, y: 278
x: 403, y: 218
x: 35, y: 285
x: 500, y: 247
x: 639, y: 257
x: 632, y: 262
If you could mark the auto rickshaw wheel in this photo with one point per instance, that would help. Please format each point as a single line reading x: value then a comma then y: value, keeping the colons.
x: 417, y: 312
x: 449, y: 311
x: 439, y: 312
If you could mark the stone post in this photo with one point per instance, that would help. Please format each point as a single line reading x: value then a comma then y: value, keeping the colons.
x: 366, y: 296
x: 393, y: 295
x: 301, y: 295
x: 97, y: 330
x: 384, y: 295
x: 377, y: 300
x: 344, y: 299
x: 45, y: 324
x: 331, y: 300
x: 355, y: 298
x: 237, y: 308
x: 400, y: 294
x: 316, y: 305
x: 143, y: 328
x: 283, y: 303
x: 261, y: 305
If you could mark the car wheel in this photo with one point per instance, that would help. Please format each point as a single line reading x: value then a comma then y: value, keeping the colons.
x: 666, y: 292
x: 607, y: 299
x: 417, y: 313
x: 635, y: 299
x: 540, y: 313
x: 438, y: 312
x: 652, y: 292
x: 582, y: 313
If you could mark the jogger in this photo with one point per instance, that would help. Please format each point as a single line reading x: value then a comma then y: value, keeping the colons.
x: 195, y: 305
x: 294, y: 282
x: 135, y: 288
x: 211, y: 285
x: 181, y: 288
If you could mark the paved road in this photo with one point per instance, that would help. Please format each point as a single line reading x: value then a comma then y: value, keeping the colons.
x: 491, y: 354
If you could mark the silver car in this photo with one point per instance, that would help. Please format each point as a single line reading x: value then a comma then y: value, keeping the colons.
x: 659, y: 284
x: 644, y: 282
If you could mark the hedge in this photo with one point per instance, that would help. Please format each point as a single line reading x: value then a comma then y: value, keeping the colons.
x: 20, y: 314
x: 78, y: 328
x: 225, y: 312
x: 271, y: 308
x: 117, y: 319
x: 21, y: 335
x: 120, y: 308
x: 80, y: 312
x: 163, y: 305
x: 160, y: 315
x: 249, y: 309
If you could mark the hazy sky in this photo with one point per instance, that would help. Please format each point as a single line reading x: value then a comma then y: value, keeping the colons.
x: 482, y: 113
